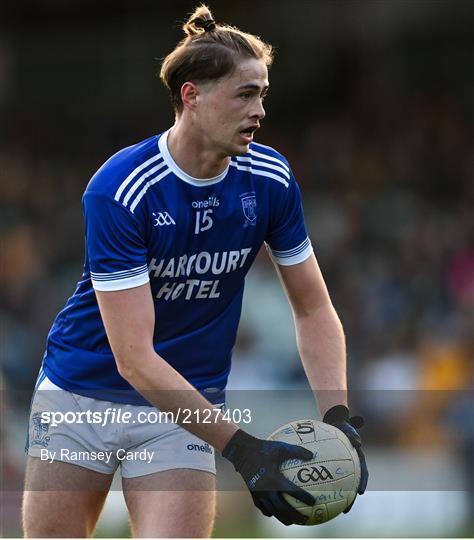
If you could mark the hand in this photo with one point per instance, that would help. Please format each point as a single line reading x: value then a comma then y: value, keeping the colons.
x: 338, y: 416
x: 258, y: 461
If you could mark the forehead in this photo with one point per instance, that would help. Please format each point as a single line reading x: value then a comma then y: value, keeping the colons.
x: 249, y: 72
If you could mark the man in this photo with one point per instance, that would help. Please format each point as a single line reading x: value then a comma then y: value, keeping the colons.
x: 172, y: 226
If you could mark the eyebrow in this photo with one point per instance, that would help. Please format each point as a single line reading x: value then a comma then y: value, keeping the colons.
x: 251, y: 86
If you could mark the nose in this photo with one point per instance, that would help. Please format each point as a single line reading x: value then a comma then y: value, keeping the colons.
x: 258, y: 112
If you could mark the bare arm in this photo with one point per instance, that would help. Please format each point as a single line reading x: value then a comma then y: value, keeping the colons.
x: 129, y: 319
x: 319, y: 332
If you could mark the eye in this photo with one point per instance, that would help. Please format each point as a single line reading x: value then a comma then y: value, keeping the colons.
x: 246, y: 95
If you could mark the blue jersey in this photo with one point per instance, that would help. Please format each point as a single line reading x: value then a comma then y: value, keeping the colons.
x: 146, y: 220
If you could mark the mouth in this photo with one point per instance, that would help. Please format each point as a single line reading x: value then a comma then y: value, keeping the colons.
x: 247, y: 133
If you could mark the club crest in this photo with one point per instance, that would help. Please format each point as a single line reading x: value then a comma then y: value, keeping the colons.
x: 249, y: 205
x: 40, y: 431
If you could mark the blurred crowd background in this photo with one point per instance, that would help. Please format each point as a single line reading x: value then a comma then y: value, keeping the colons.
x: 371, y: 101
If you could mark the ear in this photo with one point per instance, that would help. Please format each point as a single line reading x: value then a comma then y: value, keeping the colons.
x: 189, y: 94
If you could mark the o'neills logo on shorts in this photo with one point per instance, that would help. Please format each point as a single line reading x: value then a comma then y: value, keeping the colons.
x: 200, y: 448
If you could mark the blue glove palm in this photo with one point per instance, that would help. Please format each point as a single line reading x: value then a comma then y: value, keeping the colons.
x: 258, y: 461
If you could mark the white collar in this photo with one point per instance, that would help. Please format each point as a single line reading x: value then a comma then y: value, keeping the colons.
x: 163, y: 146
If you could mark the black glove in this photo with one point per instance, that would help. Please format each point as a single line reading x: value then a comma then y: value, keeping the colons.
x: 338, y: 416
x: 258, y: 461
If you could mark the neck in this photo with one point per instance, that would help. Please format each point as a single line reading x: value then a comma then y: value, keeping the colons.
x: 189, y: 150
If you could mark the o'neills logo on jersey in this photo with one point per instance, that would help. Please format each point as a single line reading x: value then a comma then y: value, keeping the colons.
x: 221, y: 262
x: 212, y: 202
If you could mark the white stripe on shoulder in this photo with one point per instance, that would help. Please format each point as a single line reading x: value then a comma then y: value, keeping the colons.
x: 258, y: 163
x: 132, y: 175
x: 260, y: 173
x: 269, y: 158
x: 146, y: 186
x: 140, y: 180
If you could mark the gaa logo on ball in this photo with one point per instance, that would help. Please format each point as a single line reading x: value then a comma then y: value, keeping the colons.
x: 332, y: 476
x: 308, y: 474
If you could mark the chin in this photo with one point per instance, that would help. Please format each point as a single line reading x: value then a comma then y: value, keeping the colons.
x: 241, y: 149
x: 235, y: 148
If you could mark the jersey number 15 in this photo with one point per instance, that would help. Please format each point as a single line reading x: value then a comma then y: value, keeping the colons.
x: 204, y: 221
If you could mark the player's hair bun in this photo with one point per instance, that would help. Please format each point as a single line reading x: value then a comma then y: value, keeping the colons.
x: 208, y: 52
x: 201, y: 21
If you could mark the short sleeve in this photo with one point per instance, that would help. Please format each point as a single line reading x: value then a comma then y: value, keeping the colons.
x: 115, y: 245
x: 287, y: 240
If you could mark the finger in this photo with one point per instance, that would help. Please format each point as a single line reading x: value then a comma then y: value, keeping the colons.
x: 298, y: 493
x: 262, y: 503
x: 348, y: 509
x: 357, y: 422
x: 351, y: 433
x: 283, y: 519
x: 284, y: 512
x: 289, y: 451
x: 364, y: 472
